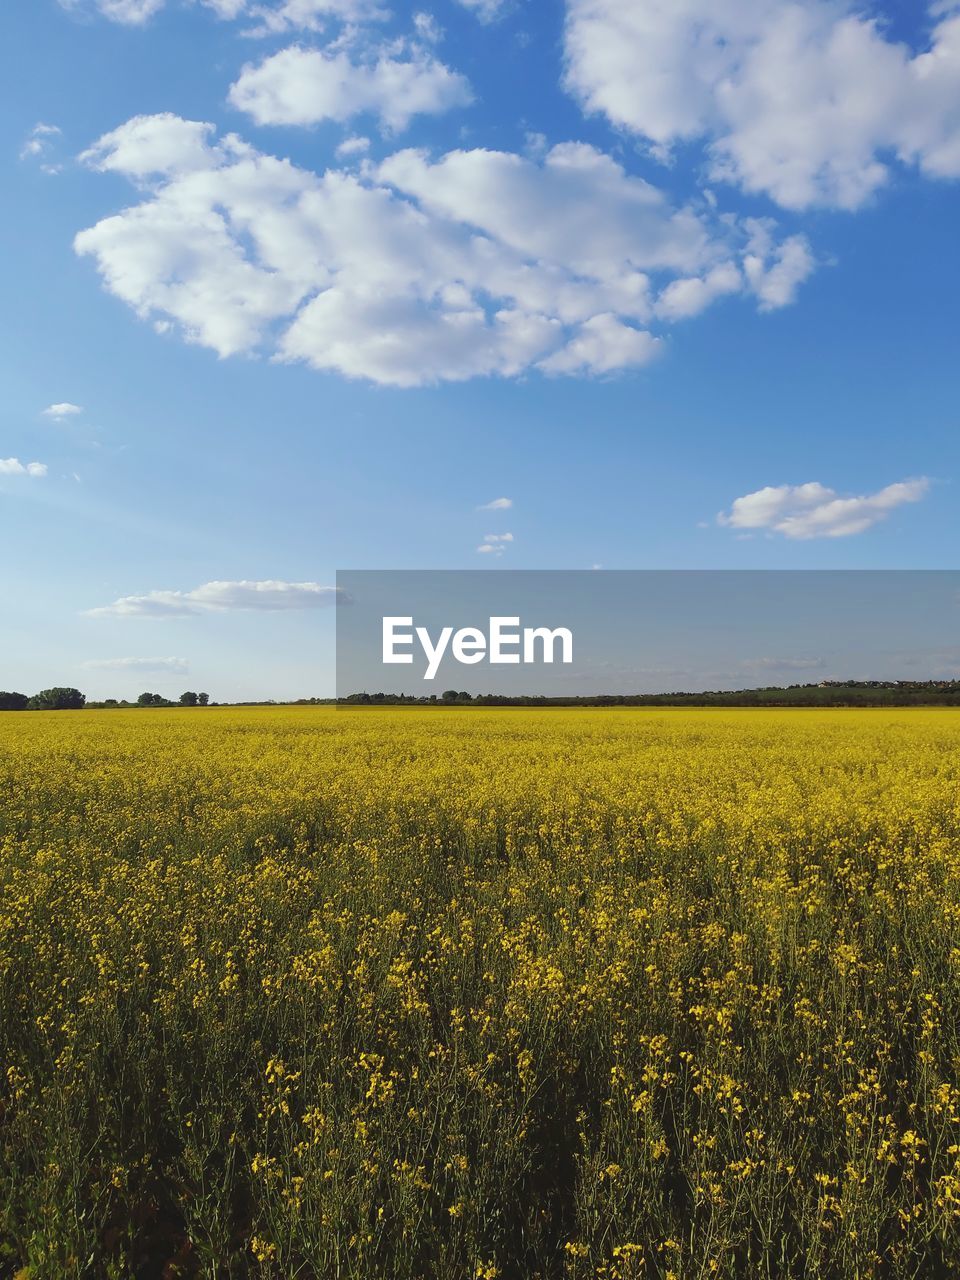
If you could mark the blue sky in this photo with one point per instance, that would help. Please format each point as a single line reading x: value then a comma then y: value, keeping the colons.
x: 633, y: 268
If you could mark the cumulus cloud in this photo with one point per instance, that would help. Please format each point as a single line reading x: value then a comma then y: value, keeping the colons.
x: 306, y: 86
x: 155, y: 666
x: 61, y: 411
x: 690, y: 295
x: 160, y: 146
x: 604, y: 344
x: 498, y: 504
x: 417, y: 270
x: 806, y: 101
x: 427, y: 28
x: 814, y: 511
x: 354, y: 146
x: 267, y: 18
x: 14, y: 467
x: 221, y: 597
x: 774, y: 270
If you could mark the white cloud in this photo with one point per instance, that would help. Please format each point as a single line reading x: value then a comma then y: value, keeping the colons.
x: 427, y: 28
x: 604, y: 344
x: 494, y: 544
x: 355, y: 146
x: 306, y: 86
x: 268, y: 18
x: 60, y: 411
x: 153, y: 146
x: 14, y: 467
x: 692, y: 294
x: 578, y: 207
x: 804, y: 100
x: 36, y: 139
x: 775, y: 271
x: 414, y: 271
x: 132, y: 13
x: 498, y: 504
x: 485, y: 10
x: 38, y: 145
x: 298, y: 15
x: 221, y: 597
x: 156, y: 666
x: 814, y: 511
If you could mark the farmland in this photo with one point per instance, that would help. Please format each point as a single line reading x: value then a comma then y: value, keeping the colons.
x: 480, y: 994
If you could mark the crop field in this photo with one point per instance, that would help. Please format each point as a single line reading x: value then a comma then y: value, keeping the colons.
x: 471, y: 994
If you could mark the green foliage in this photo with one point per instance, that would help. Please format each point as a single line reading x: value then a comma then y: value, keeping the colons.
x: 13, y: 701
x: 828, y: 693
x: 57, y: 699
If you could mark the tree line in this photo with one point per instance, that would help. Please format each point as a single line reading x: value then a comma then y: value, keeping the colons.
x: 827, y: 693
x: 65, y: 698
x: 188, y: 699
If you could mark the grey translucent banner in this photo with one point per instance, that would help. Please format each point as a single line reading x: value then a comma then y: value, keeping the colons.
x: 560, y: 633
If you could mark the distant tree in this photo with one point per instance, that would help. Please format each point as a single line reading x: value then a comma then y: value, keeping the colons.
x: 111, y: 702
x: 450, y: 695
x: 58, y: 699
x: 465, y: 697
x: 203, y: 699
x: 13, y: 701
x: 188, y: 699
x: 149, y: 700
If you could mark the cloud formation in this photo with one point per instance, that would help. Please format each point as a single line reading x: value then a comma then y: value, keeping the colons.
x: 357, y: 145
x: 494, y: 544
x: 806, y: 101
x: 131, y: 13
x: 814, y: 511
x: 60, y: 411
x: 14, y: 467
x: 417, y: 271
x: 498, y: 504
x: 275, y: 18
x: 220, y: 597
x: 148, y: 666
x: 39, y: 144
x: 306, y: 86
x: 485, y: 10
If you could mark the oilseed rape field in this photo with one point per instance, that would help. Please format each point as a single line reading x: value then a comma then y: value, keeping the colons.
x: 463, y: 994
